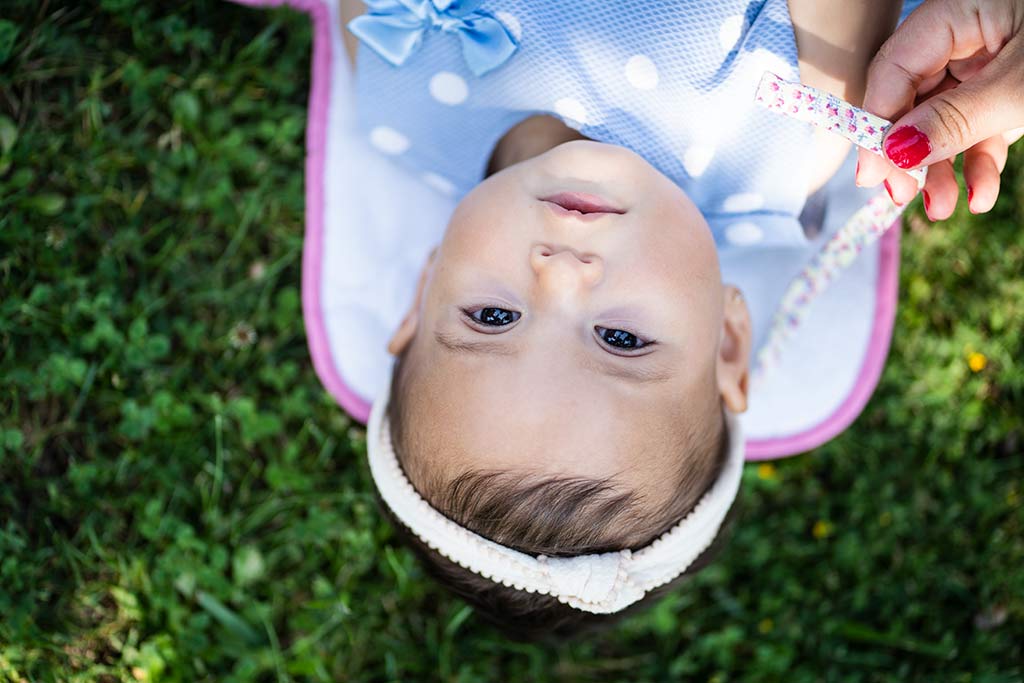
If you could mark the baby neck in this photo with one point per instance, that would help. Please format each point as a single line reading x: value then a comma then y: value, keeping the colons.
x: 529, y: 138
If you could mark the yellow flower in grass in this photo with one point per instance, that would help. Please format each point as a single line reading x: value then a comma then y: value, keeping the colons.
x: 977, y: 361
x: 821, y: 529
x: 766, y: 626
x: 766, y: 471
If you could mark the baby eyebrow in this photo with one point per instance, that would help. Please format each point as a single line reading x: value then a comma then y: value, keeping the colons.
x: 489, y: 347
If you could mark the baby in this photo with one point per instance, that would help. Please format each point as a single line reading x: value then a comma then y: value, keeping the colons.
x: 566, y: 374
x: 562, y: 375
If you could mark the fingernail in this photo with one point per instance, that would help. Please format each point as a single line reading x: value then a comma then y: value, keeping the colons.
x: 970, y: 194
x: 927, y: 201
x: 856, y: 175
x: 907, y: 146
x: 888, y: 188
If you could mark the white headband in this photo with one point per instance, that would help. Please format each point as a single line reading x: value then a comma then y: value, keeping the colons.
x: 600, y: 583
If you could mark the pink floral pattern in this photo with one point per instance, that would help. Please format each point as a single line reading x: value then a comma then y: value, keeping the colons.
x: 863, y: 129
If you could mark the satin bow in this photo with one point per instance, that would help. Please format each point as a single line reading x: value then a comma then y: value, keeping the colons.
x: 394, y: 29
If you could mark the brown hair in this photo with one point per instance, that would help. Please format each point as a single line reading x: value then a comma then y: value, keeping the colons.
x: 554, y: 516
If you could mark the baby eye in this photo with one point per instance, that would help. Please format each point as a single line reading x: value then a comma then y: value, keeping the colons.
x: 494, y: 317
x: 620, y: 339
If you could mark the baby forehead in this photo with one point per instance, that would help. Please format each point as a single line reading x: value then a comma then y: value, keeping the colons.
x: 563, y: 426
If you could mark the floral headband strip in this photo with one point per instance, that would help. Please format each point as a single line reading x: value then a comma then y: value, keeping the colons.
x: 870, y: 222
x: 599, y: 583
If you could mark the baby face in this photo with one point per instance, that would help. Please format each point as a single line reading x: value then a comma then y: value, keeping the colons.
x: 570, y: 342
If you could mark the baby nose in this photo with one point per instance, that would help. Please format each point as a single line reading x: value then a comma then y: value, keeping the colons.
x: 564, y: 270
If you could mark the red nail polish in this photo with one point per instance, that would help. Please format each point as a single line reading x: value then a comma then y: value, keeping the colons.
x: 907, y: 146
x: 927, y: 201
x: 970, y: 194
x: 888, y: 188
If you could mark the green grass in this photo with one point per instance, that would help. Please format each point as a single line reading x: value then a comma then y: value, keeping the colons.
x: 181, y: 501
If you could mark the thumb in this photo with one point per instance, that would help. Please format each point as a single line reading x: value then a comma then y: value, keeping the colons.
x: 989, y: 103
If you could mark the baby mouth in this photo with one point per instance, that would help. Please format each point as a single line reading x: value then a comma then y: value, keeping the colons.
x: 580, y: 203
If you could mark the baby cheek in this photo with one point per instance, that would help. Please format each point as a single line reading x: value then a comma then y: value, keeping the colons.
x: 490, y: 225
x: 678, y: 259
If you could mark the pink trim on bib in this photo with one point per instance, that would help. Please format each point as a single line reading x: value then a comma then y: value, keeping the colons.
x: 312, y: 246
x: 886, y: 296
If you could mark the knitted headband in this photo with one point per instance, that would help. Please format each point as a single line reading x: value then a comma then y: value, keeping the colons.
x: 599, y: 583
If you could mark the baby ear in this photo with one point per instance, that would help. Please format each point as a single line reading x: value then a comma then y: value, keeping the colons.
x: 734, y: 351
x: 406, y: 331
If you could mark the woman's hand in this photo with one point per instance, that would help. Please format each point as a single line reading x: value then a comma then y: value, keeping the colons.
x: 952, y: 78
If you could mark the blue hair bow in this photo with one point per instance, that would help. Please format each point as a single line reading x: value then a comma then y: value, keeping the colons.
x: 394, y: 29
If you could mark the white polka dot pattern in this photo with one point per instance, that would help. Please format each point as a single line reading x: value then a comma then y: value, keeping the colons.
x: 744, y: 234
x: 743, y: 202
x: 729, y: 33
x: 511, y: 23
x: 449, y: 88
x: 641, y: 72
x: 762, y: 60
x: 388, y: 140
x: 571, y: 109
x: 672, y: 81
x: 697, y: 158
x: 439, y: 183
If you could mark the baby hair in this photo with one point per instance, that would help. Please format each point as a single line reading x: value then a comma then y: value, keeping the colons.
x: 553, y: 516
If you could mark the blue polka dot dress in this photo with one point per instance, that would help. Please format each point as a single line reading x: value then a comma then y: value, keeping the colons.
x: 673, y: 81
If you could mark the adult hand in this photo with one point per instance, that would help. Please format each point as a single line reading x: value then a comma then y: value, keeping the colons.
x: 952, y: 79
